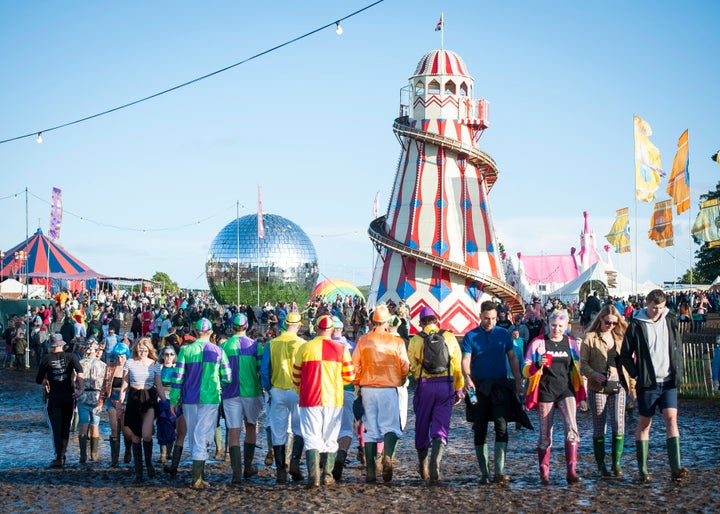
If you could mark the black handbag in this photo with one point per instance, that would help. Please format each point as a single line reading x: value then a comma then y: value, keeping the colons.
x: 612, y: 387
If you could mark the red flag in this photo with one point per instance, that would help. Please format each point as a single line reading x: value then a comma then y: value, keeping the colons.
x: 439, y: 25
x: 261, y: 227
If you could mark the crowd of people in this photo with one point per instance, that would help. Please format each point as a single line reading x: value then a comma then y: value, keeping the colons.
x: 330, y: 372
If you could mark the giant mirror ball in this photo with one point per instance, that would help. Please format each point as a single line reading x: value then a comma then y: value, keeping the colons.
x: 285, y: 259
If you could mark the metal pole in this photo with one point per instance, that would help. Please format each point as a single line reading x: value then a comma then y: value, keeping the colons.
x: 27, y: 293
x: 237, y: 246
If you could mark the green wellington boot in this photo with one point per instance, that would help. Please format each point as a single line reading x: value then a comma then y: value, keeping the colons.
x: 114, y: 452
x: 391, y: 441
x: 94, y: 449
x: 313, y: 466
x: 236, y: 464
x: 599, y: 452
x: 370, y: 456
x: 499, y: 476
x: 280, y: 465
x: 82, y: 441
x: 642, y: 448
x: 618, y: 443
x: 249, y: 469
x: 436, y: 452
x: 328, y: 466
x: 337, y: 469
x: 481, y: 452
x: 423, y: 466
x: 673, y: 450
x: 175, y: 462
x: 198, y: 469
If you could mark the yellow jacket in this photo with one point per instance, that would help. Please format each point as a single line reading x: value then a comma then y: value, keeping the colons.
x: 380, y: 360
x: 415, y: 354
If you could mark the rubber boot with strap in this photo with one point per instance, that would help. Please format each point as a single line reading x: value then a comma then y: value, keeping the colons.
x: 114, y: 452
x: 280, y: 466
x: 391, y: 441
x: 673, y: 450
x: 370, y: 456
x: 481, y: 452
x: 327, y: 469
x: 82, y: 441
x: 236, y: 464
x: 175, y: 462
x: 436, y: 451
x: 147, y: 450
x: 137, y: 462
x: 295, y: 456
x: 250, y: 469
x: 423, y: 466
x: 571, y: 451
x: 94, y: 449
x: 599, y: 451
x: 618, y: 443
x: 500, y: 477
x: 313, y: 466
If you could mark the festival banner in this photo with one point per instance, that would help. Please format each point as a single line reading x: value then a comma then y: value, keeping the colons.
x: 707, y: 224
x: 56, y: 213
x: 661, y: 227
x: 261, y: 226
x: 648, y: 169
x: 619, y: 235
x: 678, y: 186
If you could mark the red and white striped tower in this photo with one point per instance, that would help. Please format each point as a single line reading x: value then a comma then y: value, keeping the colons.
x: 437, y: 243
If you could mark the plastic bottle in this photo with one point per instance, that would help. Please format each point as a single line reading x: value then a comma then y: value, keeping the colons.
x: 472, y: 396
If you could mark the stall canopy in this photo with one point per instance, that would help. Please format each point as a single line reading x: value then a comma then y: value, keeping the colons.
x: 47, y: 263
x: 617, y: 285
x: 332, y: 288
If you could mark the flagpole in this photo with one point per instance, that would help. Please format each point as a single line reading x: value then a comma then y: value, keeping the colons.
x: 442, y: 31
x: 27, y: 292
x: 237, y: 247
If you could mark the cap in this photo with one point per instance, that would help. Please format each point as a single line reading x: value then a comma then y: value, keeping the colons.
x: 381, y: 313
x: 394, y: 321
x: 57, y: 340
x: 324, y: 322
x: 120, y: 349
x: 239, y: 320
x: 427, y: 312
x: 203, y: 325
x: 293, y: 317
x: 337, y: 322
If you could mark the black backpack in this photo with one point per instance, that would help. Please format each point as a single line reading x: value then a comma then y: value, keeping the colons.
x: 436, y: 357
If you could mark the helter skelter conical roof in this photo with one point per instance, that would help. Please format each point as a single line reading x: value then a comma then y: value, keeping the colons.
x: 441, y: 62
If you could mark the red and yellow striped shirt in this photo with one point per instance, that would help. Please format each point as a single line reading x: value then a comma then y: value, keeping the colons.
x: 322, y: 368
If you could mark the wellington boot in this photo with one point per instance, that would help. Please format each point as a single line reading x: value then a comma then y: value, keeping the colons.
x: 127, y: 458
x: 361, y: 454
x: 391, y: 441
x: 481, y: 452
x: 370, y: 456
x: 295, y: 456
x: 82, y: 441
x: 250, y: 469
x: 147, y: 450
x: 337, y: 469
x: 94, y: 449
x: 673, y: 450
x: 500, y: 477
x: 571, y: 451
x: 436, y: 452
x: 114, y: 452
x: 642, y: 448
x: 599, y: 451
x: 175, y: 462
x: 280, y: 465
x: 63, y: 451
x: 313, y: 466
x: 328, y: 464
x: 198, y: 469
x: 423, y: 466
x: 544, y: 461
x: 137, y: 462
x: 236, y: 464
x: 618, y: 443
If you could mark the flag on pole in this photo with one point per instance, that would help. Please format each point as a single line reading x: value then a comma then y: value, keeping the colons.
x: 439, y: 25
x: 376, y: 206
x: 707, y: 224
x: 56, y: 213
x: 261, y: 227
x: 678, y: 186
x: 619, y: 235
x: 648, y: 169
x: 716, y: 157
x: 661, y: 227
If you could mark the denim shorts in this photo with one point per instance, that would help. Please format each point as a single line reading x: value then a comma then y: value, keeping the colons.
x: 88, y: 414
x: 662, y: 396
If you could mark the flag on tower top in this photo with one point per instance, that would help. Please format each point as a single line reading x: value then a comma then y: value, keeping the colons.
x: 439, y: 25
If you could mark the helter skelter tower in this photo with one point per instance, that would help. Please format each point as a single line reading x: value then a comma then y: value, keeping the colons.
x: 437, y: 244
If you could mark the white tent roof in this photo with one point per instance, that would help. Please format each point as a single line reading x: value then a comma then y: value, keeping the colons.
x: 11, y: 286
x: 599, y: 271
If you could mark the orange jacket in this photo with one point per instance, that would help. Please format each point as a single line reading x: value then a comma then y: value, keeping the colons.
x: 380, y: 360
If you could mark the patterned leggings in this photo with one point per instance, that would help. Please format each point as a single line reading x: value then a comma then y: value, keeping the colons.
x: 603, y: 406
x: 546, y: 414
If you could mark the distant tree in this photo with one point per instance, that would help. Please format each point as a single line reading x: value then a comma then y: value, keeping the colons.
x: 164, y: 279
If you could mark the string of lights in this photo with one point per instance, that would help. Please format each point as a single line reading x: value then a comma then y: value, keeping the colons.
x: 38, y: 134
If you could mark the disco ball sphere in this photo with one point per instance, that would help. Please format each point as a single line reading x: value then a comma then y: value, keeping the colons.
x: 281, y: 266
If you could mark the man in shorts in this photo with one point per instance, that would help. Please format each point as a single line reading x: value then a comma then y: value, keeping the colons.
x: 652, y: 354
x: 242, y: 397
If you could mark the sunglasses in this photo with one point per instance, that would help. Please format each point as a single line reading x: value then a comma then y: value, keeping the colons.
x: 168, y: 355
x: 611, y: 323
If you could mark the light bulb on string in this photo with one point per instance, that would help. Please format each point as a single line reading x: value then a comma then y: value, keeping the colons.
x: 39, y: 138
x: 338, y: 28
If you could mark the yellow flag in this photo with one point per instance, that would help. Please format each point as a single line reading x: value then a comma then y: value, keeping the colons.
x: 661, y: 227
x: 678, y: 186
x: 648, y: 169
x: 619, y: 235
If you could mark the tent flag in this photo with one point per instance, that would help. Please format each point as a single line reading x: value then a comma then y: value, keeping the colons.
x: 706, y: 228
x: 619, y: 235
x: 648, y: 169
x: 661, y: 227
x: 55, y: 214
x: 678, y: 186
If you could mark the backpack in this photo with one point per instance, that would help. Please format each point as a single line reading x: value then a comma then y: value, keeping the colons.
x: 436, y: 357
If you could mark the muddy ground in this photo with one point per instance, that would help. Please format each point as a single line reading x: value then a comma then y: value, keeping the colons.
x: 28, y: 486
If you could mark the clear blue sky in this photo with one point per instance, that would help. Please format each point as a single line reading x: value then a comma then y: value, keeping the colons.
x: 312, y: 122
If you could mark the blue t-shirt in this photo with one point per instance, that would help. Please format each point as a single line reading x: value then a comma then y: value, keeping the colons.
x: 488, y: 351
